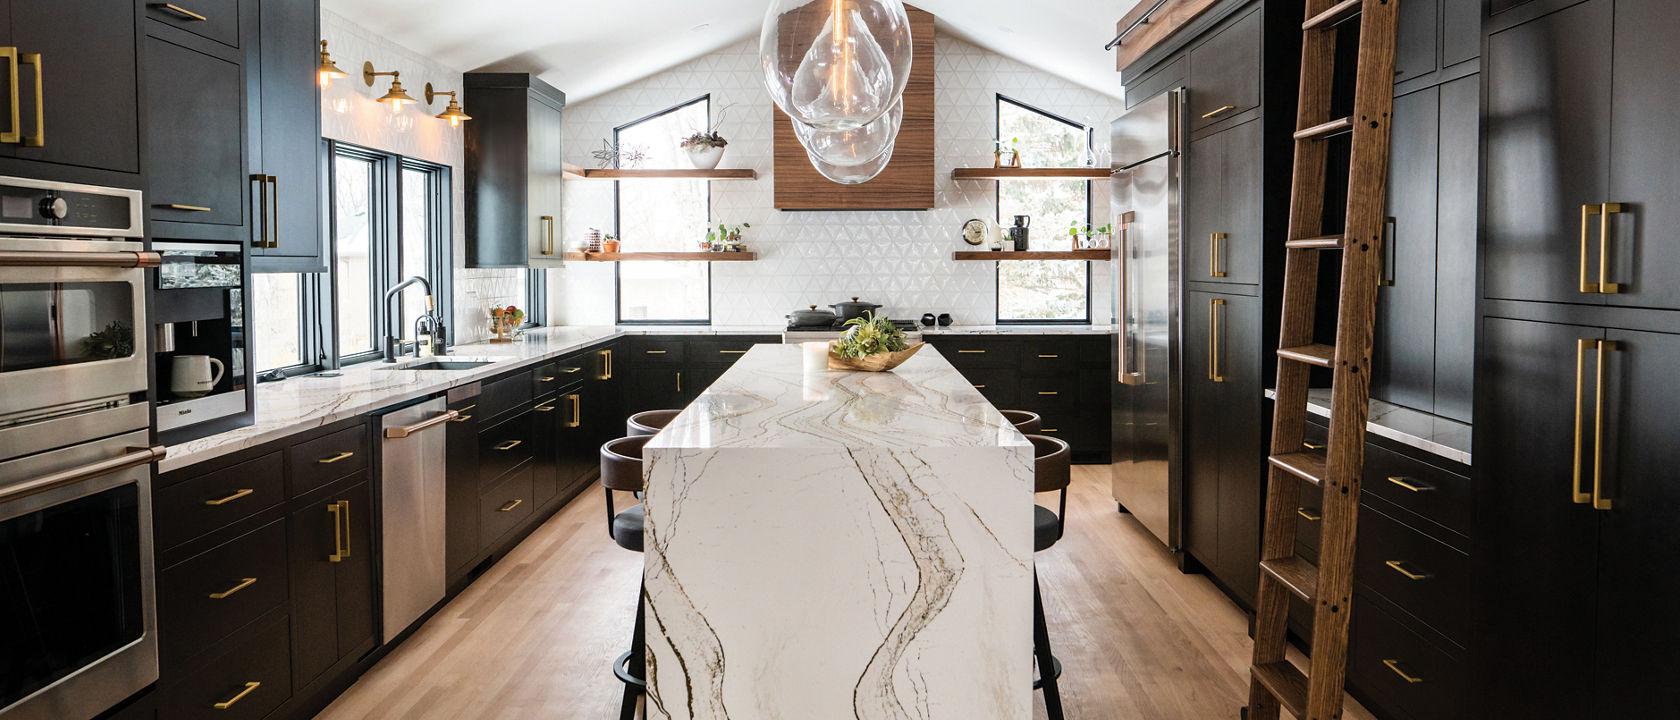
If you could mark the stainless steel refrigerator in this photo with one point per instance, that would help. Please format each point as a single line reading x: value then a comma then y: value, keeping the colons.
x: 1146, y: 191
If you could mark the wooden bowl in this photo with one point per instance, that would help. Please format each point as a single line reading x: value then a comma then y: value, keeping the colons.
x: 879, y: 362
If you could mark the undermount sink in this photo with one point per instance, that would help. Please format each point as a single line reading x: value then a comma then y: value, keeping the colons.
x: 440, y: 365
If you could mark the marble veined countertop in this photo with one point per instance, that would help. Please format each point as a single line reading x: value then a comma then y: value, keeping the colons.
x: 1434, y: 434
x: 1047, y: 329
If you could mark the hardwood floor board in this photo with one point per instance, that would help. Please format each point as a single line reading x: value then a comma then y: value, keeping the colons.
x: 536, y: 635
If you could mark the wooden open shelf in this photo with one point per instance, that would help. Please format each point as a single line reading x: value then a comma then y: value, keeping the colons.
x: 1012, y: 173
x: 1100, y: 254
x: 611, y: 174
x: 666, y: 256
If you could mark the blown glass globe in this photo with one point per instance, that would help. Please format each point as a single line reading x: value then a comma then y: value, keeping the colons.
x: 858, y: 146
x: 852, y: 174
x: 835, y: 64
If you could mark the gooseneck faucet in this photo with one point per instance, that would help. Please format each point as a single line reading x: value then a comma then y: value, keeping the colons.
x: 390, y: 325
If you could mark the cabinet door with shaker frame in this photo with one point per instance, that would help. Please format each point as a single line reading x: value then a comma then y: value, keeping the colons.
x: 1641, y: 243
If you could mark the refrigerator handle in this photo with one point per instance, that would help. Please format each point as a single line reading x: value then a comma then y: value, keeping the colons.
x: 1123, y: 323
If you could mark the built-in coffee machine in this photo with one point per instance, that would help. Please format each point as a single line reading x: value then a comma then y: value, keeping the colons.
x: 199, y: 340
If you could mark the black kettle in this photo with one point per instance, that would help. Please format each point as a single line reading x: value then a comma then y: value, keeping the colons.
x: 853, y: 309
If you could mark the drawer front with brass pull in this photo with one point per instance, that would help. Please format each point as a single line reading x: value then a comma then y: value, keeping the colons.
x: 247, y: 681
x: 513, y: 393
x: 1419, y: 574
x: 1047, y: 395
x: 197, y: 505
x: 657, y: 351
x: 314, y: 463
x: 978, y: 351
x: 722, y: 350
x: 553, y: 376
x: 212, y: 19
x: 1401, y: 668
x: 1050, y: 356
x: 506, y: 505
x: 203, y: 600
x: 1433, y: 494
x: 507, y: 445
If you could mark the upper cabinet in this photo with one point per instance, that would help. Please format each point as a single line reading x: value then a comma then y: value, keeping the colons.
x: 70, y: 108
x: 1436, y: 35
x: 513, y: 159
x: 285, y: 137
x: 1224, y: 74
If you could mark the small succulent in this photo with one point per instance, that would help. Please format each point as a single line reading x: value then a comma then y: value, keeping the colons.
x: 709, y: 137
x: 869, y: 335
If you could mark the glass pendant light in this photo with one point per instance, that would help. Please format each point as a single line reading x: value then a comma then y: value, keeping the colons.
x: 852, y: 174
x: 850, y: 148
x: 835, y: 65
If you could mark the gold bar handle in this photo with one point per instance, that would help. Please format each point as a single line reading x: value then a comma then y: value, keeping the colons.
x: 186, y: 208
x: 679, y: 382
x: 1310, y: 445
x: 971, y: 352
x: 1310, y: 513
x: 1582, y: 345
x: 132, y: 457
x: 1599, y: 502
x: 509, y: 445
x: 260, y: 241
x: 1395, y: 666
x: 655, y: 352
x: 577, y: 410
x: 743, y: 352
x: 1387, y: 266
x: 249, y: 687
x: 223, y: 595
x: 341, y: 456
x: 570, y: 370
x: 235, y: 496
x: 1214, y: 241
x: 185, y: 14
x: 338, y: 553
x: 1604, y: 284
x: 1409, y: 484
x: 435, y: 420
x: 1222, y: 109
x: 274, y: 213
x: 511, y: 505
x: 1048, y: 392
x: 39, y: 139
x: 546, y: 378
x: 1587, y: 211
x: 1049, y: 357
x: 979, y: 387
x: 34, y: 258
x: 461, y: 416
x: 606, y: 365
x: 1214, y: 311
x: 544, y: 406
x: 1399, y: 566
x: 14, y: 132
x: 548, y: 245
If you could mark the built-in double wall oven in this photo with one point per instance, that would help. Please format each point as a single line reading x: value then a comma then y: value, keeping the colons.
x: 77, y: 617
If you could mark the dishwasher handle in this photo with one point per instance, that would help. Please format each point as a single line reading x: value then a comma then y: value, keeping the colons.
x: 407, y: 430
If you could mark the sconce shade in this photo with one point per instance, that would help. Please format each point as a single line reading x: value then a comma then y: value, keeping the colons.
x: 329, y: 69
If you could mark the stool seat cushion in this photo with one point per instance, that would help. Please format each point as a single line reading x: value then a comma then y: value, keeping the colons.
x: 627, y: 528
x: 1047, y: 528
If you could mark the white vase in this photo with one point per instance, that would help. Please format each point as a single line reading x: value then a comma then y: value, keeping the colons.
x: 705, y: 157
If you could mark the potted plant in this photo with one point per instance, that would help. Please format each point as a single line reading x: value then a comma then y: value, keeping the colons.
x: 1012, y: 147
x: 609, y: 243
x: 705, y: 148
x: 1075, y: 231
x: 725, y: 237
x: 871, y: 344
x: 1102, y: 237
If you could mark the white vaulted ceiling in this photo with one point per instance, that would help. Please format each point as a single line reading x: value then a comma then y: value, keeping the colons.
x: 588, y: 47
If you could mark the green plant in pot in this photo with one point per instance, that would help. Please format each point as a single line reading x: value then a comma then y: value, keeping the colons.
x: 726, y: 236
x: 705, y: 148
x: 870, y: 343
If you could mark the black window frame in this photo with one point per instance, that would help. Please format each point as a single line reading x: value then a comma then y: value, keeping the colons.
x: 997, y: 210
x: 618, y: 288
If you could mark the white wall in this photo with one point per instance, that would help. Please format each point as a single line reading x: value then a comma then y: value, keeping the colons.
x: 899, y: 259
x: 349, y: 113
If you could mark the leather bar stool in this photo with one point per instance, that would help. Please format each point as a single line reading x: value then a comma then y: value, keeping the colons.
x: 1023, y: 420
x: 649, y: 422
x: 621, y: 469
x: 1052, y: 472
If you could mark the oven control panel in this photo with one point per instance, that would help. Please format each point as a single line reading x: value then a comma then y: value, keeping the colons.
x: 54, y: 208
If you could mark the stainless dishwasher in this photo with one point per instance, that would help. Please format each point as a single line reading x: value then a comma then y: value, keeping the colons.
x: 411, y: 501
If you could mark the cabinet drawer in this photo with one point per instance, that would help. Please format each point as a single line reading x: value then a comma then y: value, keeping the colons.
x: 1434, y: 494
x: 998, y: 385
x: 504, y: 446
x: 320, y: 461
x: 1406, y: 676
x: 1309, y: 519
x: 722, y: 350
x: 196, y: 506
x: 214, y: 19
x: 506, y: 505
x: 975, y: 351
x: 657, y: 350
x: 553, y: 376
x: 1049, y: 393
x: 252, y: 678
x: 1225, y: 73
x: 1415, y: 572
x: 505, y: 394
x: 204, y: 599
x: 1049, y: 356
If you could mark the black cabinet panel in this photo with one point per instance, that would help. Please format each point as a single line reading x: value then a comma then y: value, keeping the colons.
x: 214, y: 19
x: 1223, y: 183
x: 256, y: 663
x: 1415, y: 38
x: 332, y: 600
x: 1461, y: 31
x: 460, y: 541
x: 205, y: 599
x: 1223, y: 458
x: 1548, y: 151
x: 513, y: 169
x: 652, y: 388
x: 88, y: 93
x: 195, y: 116
x: 1644, y: 252
x: 1407, y: 675
x: 1225, y: 74
x: 1455, y: 247
x: 1403, y: 349
x: 290, y: 133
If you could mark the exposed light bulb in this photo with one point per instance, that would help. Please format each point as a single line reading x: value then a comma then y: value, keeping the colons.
x: 848, y: 148
x: 836, y: 65
x: 852, y: 174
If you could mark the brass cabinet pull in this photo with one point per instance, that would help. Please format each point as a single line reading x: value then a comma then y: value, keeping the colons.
x: 1409, y: 484
x: 1604, y: 284
x: 14, y: 131
x: 336, y: 458
x: 345, y: 515
x: 273, y: 211
x: 979, y: 387
x: 261, y: 239
x: 338, y: 554
x: 431, y: 422
x: 1395, y: 666
x: 186, y: 208
x: 548, y: 246
x: 1310, y: 445
x: 1048, y: 357
x: 547, y: 378
x: 732, y: 352
x: 606, y: 365
x: 131, y: 457
x: 1222, y: 109
x: 1050, y: 430
x: 461, y: 415
x: 186, y: 14
x: 245, y: 583
x: 1310, y: 513
x: 1214, y: 312
x: 679, y: 382
x: 1048, y: 392
x: 1599, y: 502
x: 509, y: 445
x: 1214, y: 241
x: 577, y: 410
x: 250, y: 686
x: 544, y: 406
x: 511, y: 505
x: 655, y: 352
x: 1587, y: 211
x: 972, y: 352
x: 570, y: 370
x: 1582, y: 345
x: 1400, y: 567
x: 39, y: 139
x: 235, y: 496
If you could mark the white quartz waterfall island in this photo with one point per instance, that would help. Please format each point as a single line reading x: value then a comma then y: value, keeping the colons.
x: 839, y: 545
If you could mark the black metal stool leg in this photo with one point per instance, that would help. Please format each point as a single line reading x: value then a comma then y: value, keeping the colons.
x: 1049, y: 669
x: 633, y: 664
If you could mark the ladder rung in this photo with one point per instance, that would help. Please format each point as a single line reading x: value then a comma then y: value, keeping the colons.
x: 1308, y: 466
x: 1300, y: 576
x: 1316, y: 354
x: 1326, y: 242
x: 1336, y: 15
x: 1339, y: 125
x: 1286, y: 683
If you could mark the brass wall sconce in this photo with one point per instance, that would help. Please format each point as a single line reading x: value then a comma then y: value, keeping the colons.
x: 452, y: 112
x: 329, y: 70
x: 395, y: 97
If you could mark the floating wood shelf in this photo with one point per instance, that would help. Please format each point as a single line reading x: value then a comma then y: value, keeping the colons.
x: 613, y: 174
x: 1013, y: 173
x: 1031, y: 255
x: 666, y: 256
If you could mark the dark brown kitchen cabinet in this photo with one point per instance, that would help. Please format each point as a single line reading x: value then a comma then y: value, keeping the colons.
x: 1224, y: 72
x: 213, y: 19
x: 545, y: 457
x: 513, y: 177
x: 78, y: 104
x: 1644, y: 155
x: 285, y: 135
x: 576, y: 453
x: 1223, y: 206
x: 1403, y: 347
x: 1434, y: 35
x: 1457, y: 227
x: 332, y: 577
x: 195, y: 121
x: 461, y: 489
x: 245, y: 682
x: 204, y: 600
x: 604, y: 415
x: 1224, y: 406
x: 1461, y: 31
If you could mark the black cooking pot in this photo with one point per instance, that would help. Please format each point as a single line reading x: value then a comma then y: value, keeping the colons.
x: 853, y: 309
x: 811, y: 318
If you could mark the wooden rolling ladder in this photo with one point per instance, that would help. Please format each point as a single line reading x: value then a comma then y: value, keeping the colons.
x: 1276, y: 684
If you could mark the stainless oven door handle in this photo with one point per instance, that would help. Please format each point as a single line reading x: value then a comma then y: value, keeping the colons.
x: 63, y: 478
x: 27, y: 258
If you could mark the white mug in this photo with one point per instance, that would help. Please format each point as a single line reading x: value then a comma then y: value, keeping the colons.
x: 192, y: 377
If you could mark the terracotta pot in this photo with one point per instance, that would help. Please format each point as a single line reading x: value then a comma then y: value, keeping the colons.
x: 610, y: 246
x: 879, y: 362
x: 705, y: 157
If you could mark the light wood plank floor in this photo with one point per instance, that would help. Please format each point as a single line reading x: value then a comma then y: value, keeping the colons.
x: 535, y: 636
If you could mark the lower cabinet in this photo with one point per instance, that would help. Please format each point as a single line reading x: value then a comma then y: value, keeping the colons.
x: 1045, y: 374
x: 1224, y: 473
x: 460, y: 501
x: 667, y: 373
x: 332, y: 574
x: 247, y: 680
